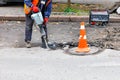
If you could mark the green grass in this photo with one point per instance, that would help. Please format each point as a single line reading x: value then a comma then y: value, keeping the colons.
x: 78, y: 9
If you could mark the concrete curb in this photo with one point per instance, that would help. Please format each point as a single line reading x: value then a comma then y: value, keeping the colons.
x: 56, y: 18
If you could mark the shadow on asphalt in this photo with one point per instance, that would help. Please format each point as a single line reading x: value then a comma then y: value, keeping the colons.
x: 37, y: 44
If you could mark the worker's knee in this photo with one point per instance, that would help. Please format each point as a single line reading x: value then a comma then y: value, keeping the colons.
x: 28, y: 28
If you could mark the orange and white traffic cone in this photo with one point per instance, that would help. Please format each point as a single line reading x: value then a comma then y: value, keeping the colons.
x: 82, y: 45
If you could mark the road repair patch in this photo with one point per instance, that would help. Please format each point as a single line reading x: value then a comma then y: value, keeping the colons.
x: 12, y: 34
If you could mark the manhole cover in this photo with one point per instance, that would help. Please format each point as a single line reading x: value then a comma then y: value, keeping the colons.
x: 93, y: 50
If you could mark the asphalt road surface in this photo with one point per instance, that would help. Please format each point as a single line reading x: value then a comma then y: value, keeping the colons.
x: 20, y: 63
x: 40, y: 64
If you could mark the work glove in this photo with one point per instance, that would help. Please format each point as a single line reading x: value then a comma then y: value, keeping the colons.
x: 45, y: 21
x: 35, y: 9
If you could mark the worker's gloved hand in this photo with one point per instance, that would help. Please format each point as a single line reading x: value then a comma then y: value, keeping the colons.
x: 45, y: 21
x: 35, y: 9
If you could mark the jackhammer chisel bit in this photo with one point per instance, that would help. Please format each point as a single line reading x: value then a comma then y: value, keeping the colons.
x: 45, y: 43
x: 44, y: 36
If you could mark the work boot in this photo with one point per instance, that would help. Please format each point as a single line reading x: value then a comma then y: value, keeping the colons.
x: 28, y: 44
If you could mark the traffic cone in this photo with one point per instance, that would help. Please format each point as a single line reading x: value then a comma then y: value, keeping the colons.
x: 82, y: 45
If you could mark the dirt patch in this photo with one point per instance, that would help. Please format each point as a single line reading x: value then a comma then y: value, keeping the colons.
x: 106, y: 37
x: 12, y: 34
x: 111, y: 39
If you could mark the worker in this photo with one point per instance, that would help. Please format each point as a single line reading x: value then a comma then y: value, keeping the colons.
x: 34, y: 6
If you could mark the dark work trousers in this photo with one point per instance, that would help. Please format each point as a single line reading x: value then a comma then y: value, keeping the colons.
x: 28, y: 28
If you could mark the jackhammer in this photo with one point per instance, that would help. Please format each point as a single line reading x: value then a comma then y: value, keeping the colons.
x: 38, y: 18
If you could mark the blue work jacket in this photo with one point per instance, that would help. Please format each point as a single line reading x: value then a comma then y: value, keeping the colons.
x: 44, y: 5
